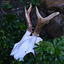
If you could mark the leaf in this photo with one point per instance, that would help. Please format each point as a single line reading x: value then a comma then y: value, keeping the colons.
x: 47, y: 43
x: 22, y: 26
x: 39, y: 50
x: 60, y: 43
x: 62, y: 57
x: 44, y: 39
x: 48, y: 48
x: 52, y: 51
x: 37, y: 4
x: 55, y: 42
x: 36, y: 44
x: 9, y: 6
x: 35, y: 48
x: 58, y: 39
x: 62, y: 37
x: 21, y: 1
x: 56, y: 61
x: 62, y: 52
x: 3, y: 5
x: 61, y: 47
x: 58, y: 52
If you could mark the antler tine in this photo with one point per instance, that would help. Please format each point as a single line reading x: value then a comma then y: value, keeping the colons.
x: 48, y: 18
x: 27, y: 13
x: 42, y: 21
x: 29, y: 10
x: 38, y: 14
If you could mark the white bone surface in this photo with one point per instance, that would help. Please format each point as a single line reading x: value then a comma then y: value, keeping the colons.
x: 25, y: 46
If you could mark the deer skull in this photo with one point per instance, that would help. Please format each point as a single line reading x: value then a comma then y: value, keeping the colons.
x: 26, y: 44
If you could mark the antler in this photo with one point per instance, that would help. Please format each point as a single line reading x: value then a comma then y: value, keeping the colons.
x: 27, y: 13
x: 42, y: 21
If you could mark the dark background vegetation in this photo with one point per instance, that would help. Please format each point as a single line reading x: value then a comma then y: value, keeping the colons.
x: 13, y: 27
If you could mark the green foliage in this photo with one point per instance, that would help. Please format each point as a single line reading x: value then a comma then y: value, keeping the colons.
x: 6, y: 6
x: 21, y: 1
x: 29, y: 59
x: 10, y: 33
x: 63, y: 9
x: 50, y: 52
x: 12, y: 30
x: 34, y: 3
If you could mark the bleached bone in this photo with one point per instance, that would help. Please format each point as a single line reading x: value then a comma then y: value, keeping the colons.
x: 26, y: 44
x: 28, y: 32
